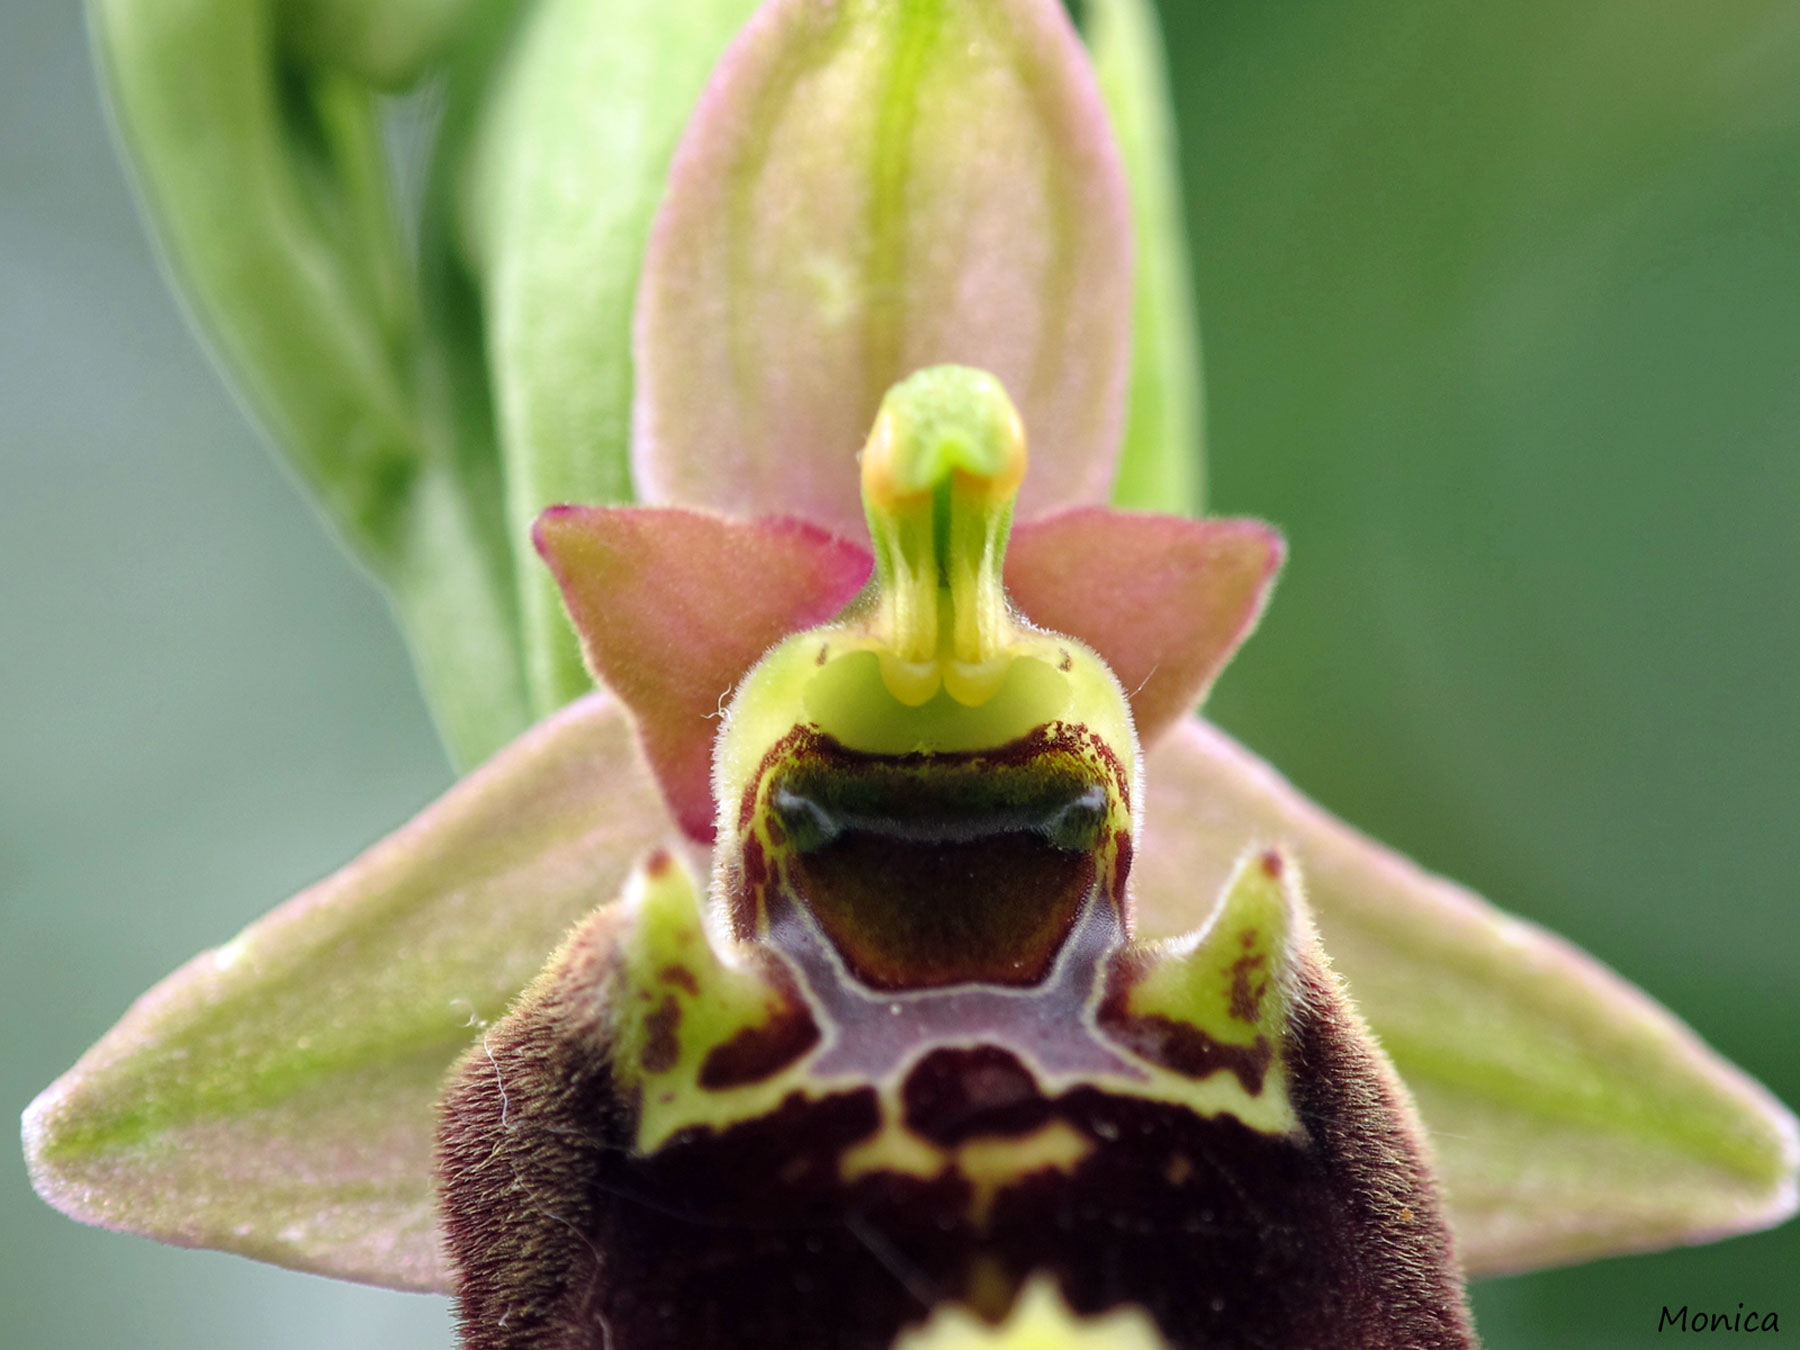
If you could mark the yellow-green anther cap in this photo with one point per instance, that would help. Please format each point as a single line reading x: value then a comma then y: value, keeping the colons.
x: 939, y: 476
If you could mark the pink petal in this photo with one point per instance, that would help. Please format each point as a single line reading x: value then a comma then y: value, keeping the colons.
x: 1571, y: 1116
x: 674, y: 606
x: 277, y: 1097
x: 1165, y: 601
x: 866, y: 189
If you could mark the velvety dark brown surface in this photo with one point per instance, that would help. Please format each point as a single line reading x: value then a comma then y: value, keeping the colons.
x: 909, y: 914
x: 748, y: 1238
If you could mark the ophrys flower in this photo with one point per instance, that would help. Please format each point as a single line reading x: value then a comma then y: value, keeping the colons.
x: 1502, y: 1034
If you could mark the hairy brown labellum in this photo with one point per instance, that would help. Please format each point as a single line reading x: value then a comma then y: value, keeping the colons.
x: 846, y: 1211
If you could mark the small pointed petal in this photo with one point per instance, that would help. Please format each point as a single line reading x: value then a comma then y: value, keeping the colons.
x: 1165, y: 601
x: 674, y: 606
x: 276, y: 1097
x: 866, y: 189
x: 1571, y: 1116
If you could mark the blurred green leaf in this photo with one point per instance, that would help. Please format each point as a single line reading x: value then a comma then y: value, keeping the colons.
x: 268, y: 188
x: 387, y: 44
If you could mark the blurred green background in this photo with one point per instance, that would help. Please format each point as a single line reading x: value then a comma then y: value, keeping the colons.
x: 1502, y: 315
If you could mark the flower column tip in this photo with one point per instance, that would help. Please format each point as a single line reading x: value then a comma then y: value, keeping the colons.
x: 940, y: 474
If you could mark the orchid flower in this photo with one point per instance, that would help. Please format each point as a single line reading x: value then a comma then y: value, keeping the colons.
x: 863, y: 192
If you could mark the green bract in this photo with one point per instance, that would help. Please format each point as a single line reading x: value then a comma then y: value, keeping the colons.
x: 863, y: 190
